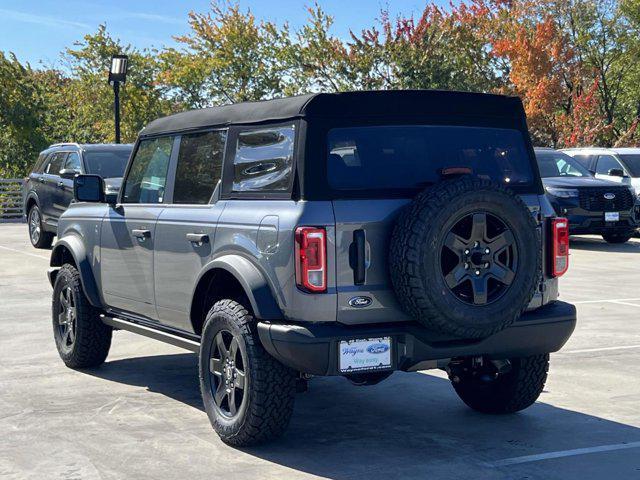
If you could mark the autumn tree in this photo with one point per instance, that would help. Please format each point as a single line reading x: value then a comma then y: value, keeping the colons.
x: 227, y: 57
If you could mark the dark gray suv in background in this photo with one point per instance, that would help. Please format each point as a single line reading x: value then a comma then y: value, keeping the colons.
x: 49, y: 188
x: 352, y: 234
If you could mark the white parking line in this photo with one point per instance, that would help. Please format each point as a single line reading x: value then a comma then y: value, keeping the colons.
x: 560, y: 454
x: 602, y: 349
x: 24, y: 253
x: 626, y: 303
x: 610, y: 300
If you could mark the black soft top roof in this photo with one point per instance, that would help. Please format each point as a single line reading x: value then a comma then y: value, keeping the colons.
x: 347, y: 104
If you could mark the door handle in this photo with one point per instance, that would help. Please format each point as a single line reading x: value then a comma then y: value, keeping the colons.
x: 141, y: 235
x: 41, y: 179
x: 61, y: 184
x: 198, y: 238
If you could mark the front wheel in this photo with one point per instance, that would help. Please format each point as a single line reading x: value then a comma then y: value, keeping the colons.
x: 617, y: 237
x: 37, y: 234
x: 247, y: 394
x: 483, y: 388
x: 81, y: 338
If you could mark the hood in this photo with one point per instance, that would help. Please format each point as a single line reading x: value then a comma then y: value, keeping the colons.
x: 576, y: 182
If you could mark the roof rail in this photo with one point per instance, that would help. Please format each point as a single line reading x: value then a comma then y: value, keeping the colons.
x: 64, y: 144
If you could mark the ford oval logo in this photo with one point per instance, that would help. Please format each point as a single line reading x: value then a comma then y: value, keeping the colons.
x: 609, y: 196
x: 360, y: 302
x: 377, y: 348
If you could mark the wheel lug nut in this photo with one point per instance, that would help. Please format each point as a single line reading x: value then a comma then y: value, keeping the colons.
x: 477, y: 272
x: 486, y: 250
x: 476, y: 244
x: 486, y: 265
x: 466, y: 251
x: 466, y: 266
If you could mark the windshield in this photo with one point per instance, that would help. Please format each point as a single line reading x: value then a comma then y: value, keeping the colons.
x: 632, y: 162
x: 558, y: 164
x: 414, y: 156
x: 107, y: 163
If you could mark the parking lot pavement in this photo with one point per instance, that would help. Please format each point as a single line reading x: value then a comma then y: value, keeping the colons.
x: 140, y: 415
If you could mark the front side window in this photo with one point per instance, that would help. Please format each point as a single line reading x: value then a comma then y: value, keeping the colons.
x: 56, y: 163
x: 411, y: 157
x: 606, y: 163
x: 147, y: 178
x: 73, y: 162
x: 558, y: 164
x: 264, y: 160
x: 199, y: 167
x: 107, y: 163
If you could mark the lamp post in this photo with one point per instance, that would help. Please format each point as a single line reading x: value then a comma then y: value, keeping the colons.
x: 117, y: 75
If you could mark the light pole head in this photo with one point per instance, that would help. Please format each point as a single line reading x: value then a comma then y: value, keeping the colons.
x: 118, y: 71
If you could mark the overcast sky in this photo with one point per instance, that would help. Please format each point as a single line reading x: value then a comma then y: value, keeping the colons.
x: 37, y: 31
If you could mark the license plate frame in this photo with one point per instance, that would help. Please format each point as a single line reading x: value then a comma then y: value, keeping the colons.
x: 365, y: 354
x: 611, y: 216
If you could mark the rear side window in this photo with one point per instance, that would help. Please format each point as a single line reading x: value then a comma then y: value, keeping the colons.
x: 414, y: 156
x: 147, y: 178
x: 263, y: 160
x: 199, y: 167
x: 56, y: 163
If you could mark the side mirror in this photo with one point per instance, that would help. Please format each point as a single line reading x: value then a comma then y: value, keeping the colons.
x: 616, y: 172
x: 592, y: 172
x: 68, y: 173
x: 88, y: 188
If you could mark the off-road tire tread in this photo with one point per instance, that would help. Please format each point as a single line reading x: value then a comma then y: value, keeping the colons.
x: 404, y: 256
x: 522, y: 390
x: 93, y: 337
x: 272, y: 390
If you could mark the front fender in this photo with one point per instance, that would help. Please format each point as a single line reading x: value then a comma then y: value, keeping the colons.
x: 74, y: 245
x: 252, y: 281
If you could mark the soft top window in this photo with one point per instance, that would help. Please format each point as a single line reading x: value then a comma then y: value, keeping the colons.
x: 263, y: 160
x: 414, y: 156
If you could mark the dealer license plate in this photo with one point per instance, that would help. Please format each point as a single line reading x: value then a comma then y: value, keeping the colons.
x: 611, y: 216
x: 367, y: 354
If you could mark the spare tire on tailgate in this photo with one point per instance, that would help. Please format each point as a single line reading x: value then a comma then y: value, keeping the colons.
x: 465, y: 257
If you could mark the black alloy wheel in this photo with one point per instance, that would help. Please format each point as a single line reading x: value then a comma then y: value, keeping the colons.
x: 227, y: 362
x: 479, y: 258
x: 67, y: 317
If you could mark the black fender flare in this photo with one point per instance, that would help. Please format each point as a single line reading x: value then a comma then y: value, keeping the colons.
x: 252, y: 281
x: 74, y: 245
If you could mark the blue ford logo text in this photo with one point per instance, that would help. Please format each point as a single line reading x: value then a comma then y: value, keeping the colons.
x: 377, y: 348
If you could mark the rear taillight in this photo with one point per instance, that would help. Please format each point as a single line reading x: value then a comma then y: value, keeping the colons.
x: 311, y: 259
x: 560, y: 254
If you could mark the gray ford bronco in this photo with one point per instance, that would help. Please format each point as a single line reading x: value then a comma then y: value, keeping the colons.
x: 352, y: 234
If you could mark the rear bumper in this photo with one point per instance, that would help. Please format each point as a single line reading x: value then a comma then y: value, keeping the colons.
x: 313, y: 348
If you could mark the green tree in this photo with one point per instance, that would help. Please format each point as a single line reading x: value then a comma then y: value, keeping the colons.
x: 228, y: 57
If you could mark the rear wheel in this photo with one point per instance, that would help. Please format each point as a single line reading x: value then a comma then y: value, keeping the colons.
x: 617, y: 237
x: 248, y: 394
x: 485, y: 389
x: 38, y: 236
x: 81, y: 338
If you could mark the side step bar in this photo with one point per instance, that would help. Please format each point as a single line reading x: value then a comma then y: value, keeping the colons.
x: 166, y: 337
